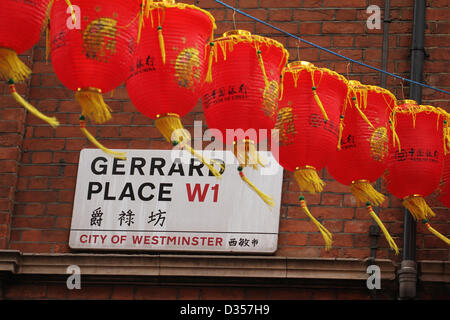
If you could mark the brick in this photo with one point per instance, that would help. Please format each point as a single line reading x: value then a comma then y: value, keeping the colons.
x: 222, y: 293
x: 296, y: 239
x: 89, y: 292
x: 188, y: 294
x: 342, y: 27
x: 314, y: 15
x: 63, y: 222
x: 25, y: 291
x: 38, y: 183
x: 42, y: 157
x: 290, y: 294
x: 39, y: 170
x: 208, y: 4
x: 55, y: 236
x: 11, y: 153
x: 353, y: 295
x: 291, y: 27
x: 122, y: 293
x: 298, y: 252
x: 32, y: 222
x: 155, y: 293
x: 332, y: 212
x: 8, y: 166
x: 57, y: 291
x: 31, y: 235
x: 31, y: 247
x: 43, y: 144
x: 256, y: 293
x: 342, y: 4
x: 280, y: 4
x: 357, y: 226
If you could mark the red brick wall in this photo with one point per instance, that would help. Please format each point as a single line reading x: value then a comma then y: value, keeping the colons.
x: 38, y: 164
x: 56, y: 291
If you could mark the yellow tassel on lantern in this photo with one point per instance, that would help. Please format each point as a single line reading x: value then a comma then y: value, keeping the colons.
x: 173, y: 131
x: 308, y: 179
x: 418, y: 207
x: 50, y: 120
x: 388, y: 237
x: 144, y: 11
x: 266, y: 198
x: 91, y: 138
x: 247, y: 156
x: 362, y: 114
x: 436, y: 233
x: 92, y: 104
x: 327, y: 236
x: 316, y: 97
x: 341, y: 131
x: 364, y: 192
x: 161, y: 44
x: 72, y: 12
x: 261, y: 63
x: 11, y: 67
x: 212, y: 52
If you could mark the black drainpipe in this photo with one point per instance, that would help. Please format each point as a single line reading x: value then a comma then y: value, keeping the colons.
x: 386, y: 21
x: 408, y: 268
x: 374, y: 230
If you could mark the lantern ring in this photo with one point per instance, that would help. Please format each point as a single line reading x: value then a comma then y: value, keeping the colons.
x: 300, y: 64
x: 413, y: 196
x: 90, y: 89
x: 237, y: 33
x: 406, y: 101
x: 360, y: 181
x: 244, y: 141
x: 158, y: 116
x: 305, y: 167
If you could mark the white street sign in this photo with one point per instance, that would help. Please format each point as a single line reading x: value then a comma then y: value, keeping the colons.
x: 168, y: 201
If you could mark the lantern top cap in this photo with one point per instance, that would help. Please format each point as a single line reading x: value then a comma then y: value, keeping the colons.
x: 300, y: 64
x: 237, y: 32
x: 407, y: 101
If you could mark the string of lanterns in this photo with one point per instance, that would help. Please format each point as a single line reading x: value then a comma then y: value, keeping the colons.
x: 168, y: 57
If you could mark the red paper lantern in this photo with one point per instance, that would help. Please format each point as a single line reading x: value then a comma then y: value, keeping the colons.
x: 169, y: 67
x: 416, y: 157
x: 21, y: 26
x: 308, y: 124
x: 94, y: 59
x: 362, y: 153
x: 242, y: 92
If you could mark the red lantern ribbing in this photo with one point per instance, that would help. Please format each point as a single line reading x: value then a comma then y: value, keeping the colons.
x: 362, y: 153
x: 308, y: 124
x: 241, y: 93
x: 169, y: 67
x: 21, y: 26
x: 94, y: 59
x: 445, y: 187
x: 416, y: 157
